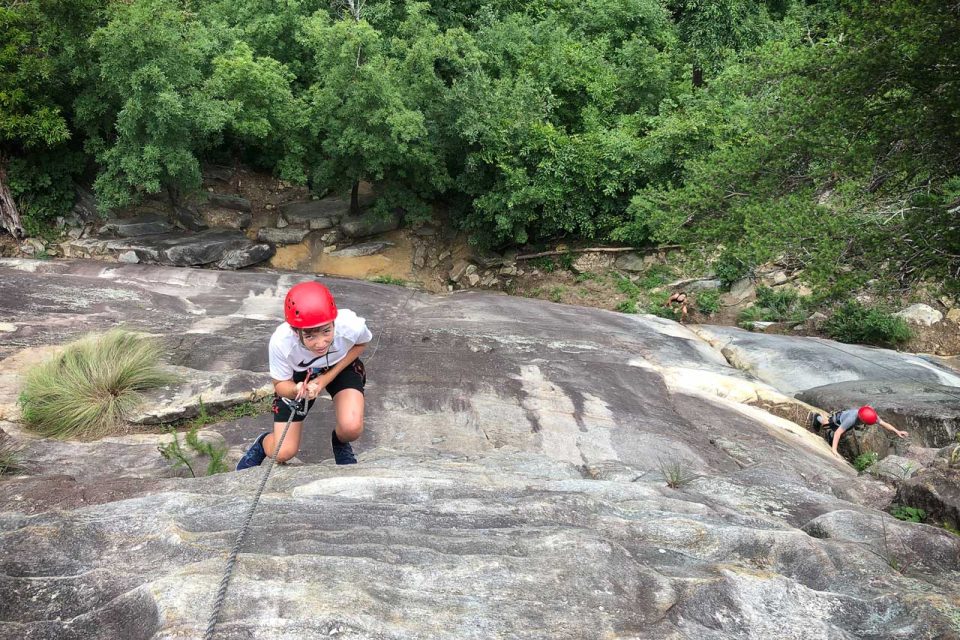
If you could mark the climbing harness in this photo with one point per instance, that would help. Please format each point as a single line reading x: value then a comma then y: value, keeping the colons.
x: 295, y: 411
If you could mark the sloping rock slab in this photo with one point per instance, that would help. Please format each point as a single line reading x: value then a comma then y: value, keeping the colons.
x: 792, y: 363
x: 500, y: 546
x: 171, y: 249
x: 216, y: 389
x: 930, y: 412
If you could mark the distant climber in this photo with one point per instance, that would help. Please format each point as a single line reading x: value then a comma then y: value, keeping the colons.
x: 678, y: 300
x: 840, y: 423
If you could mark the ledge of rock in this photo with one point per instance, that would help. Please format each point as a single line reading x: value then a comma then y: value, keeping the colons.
x: 792, y: 363
x: 171, y: 249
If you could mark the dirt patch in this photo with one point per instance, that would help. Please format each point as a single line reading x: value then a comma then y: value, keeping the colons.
x: 942, y: 339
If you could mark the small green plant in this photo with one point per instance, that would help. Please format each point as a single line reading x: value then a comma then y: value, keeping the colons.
x: 544, y: 263
x: 91, y: 388
x: 175, y: 453
x: 654, y: 277
x: 11, y: 461
x: 626, y: 286
x: 865, y: 460
x: 776, y: 305
x: 627, y: 306
x: 586, y: 275
x: 855, y: 323
x: 729, y: 269
x: 556, y: 294
x: 708, y: 302
x: 908, y: 514
x: 566, y: 261
x: 676, y: 473
x: 400, y: 282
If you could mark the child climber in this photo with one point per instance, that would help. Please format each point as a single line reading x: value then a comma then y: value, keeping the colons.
x: 841, y: 422
x: 319, y: 340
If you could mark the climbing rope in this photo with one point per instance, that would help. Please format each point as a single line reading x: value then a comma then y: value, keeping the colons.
x: 242, y: 534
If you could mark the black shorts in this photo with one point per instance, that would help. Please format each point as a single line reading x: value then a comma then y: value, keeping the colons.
x: 354, y: 376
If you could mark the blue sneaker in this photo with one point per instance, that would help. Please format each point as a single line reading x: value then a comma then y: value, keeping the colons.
x: 342, y: 451
x: 255, y: 454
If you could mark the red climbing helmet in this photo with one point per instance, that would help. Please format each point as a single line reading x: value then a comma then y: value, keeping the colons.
x: 867, y: 415
x: 309, y: 304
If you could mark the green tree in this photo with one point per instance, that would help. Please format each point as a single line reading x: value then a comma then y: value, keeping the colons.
x: 29, y: 119
x: 150, y: 115
x: 364, y: 109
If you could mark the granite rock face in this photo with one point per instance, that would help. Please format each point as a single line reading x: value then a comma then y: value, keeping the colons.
x: 513, y: 482
x: 793, y: 364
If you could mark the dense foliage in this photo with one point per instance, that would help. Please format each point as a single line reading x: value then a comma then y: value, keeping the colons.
x: 826, y: 133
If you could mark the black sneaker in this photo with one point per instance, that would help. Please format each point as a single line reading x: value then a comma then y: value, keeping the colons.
x: 342, y: 451
x: 254, y: 455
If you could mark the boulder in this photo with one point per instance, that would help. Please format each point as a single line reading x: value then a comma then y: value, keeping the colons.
x: 85, y: 205
x: 954, y: 316
x: 743, y: 290
x: 316, y: 214
x: 458, y: 270
x: 287, y: 235
x: 363, y: 249
x: 246, y: 256
x: 128, y: 257
x: 188, y: 218
x: 369, y: 225
x: 223, y: 218
x: 630, y: 262
x: 936, y: 490
x: 226, y: 201
x: 920, y: 314
x: 592, y: 262
x: 894, y: 468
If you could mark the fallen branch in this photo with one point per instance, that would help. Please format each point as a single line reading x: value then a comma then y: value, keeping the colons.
x: 596, y: 250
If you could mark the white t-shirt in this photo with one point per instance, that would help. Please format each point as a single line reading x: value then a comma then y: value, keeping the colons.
x: 288, y: 355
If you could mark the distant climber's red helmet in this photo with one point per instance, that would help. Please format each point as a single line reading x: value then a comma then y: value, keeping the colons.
x: 309, y: 304
x: 867, y: 415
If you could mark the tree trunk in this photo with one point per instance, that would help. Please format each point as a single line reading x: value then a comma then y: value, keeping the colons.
x: 697, y: 75
x: 355, y: 198
x: 9, y: 216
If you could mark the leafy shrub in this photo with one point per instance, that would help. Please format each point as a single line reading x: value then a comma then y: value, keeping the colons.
x: 865, y: 460
x: 855, y: 323
x: 908, y: 514
x: 89, y: 390
x: 628, y: 306
x: 544, y: 263
x: 626, y: 286
x: 400, y: 282
x: 654, y: 277
x: 729, y: 269
x: 707, y: 302
x: 776, y: 305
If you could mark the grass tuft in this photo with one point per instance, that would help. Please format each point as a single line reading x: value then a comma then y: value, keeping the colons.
x: 90, y: 389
